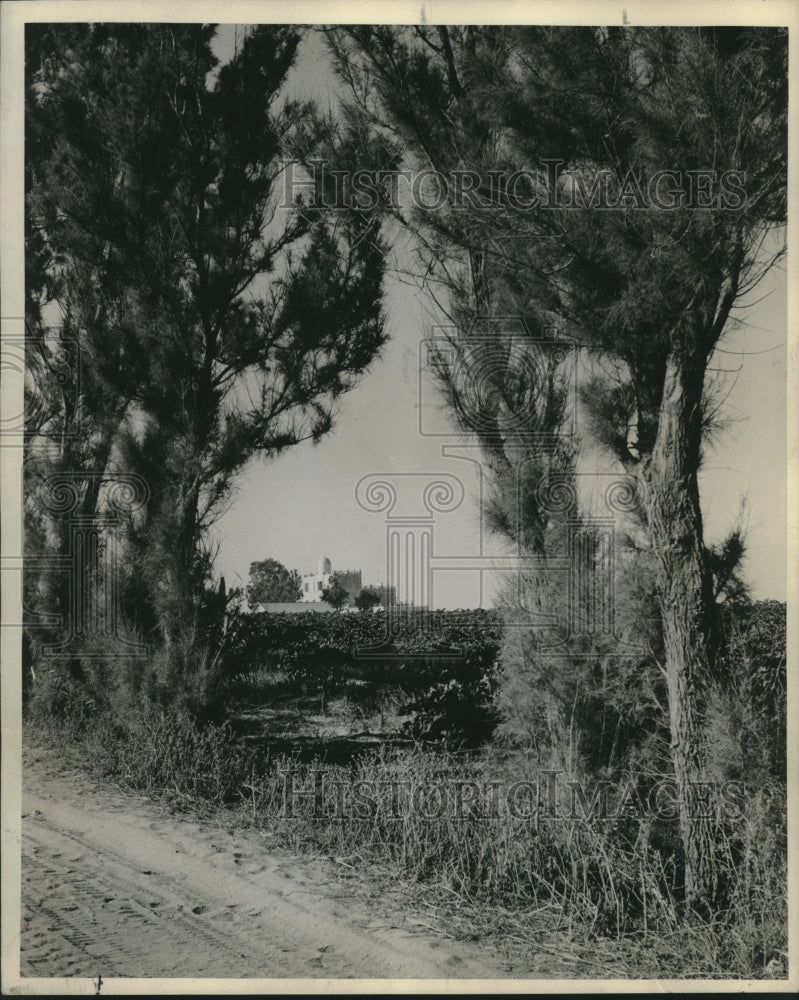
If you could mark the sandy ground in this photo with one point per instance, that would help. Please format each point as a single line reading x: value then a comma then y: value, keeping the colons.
x: 113, y: 885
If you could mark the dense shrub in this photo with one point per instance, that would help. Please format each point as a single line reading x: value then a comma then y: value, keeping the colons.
x: 120, y: 671
x: 447, y: 660
x: 748, y: 699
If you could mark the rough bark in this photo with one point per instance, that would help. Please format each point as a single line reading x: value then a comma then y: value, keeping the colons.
x: 685, y: 583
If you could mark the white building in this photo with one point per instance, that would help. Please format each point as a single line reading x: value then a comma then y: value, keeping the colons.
x: 314, y: 583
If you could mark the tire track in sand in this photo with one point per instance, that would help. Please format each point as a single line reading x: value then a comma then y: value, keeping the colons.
x: 112, y: 887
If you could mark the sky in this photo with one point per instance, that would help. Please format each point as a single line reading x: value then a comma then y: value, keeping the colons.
x: 302, y: 505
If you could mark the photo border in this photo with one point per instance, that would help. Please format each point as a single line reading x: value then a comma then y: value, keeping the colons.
x: 13, y: 17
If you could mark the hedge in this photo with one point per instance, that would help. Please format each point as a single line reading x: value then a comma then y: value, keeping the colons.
x: 446, y: 660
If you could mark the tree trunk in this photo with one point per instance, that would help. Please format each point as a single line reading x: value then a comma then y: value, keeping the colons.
x: 185, y: 554
x: 686, y: 598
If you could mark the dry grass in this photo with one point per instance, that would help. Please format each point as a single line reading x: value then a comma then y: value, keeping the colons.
x: 594, y: 894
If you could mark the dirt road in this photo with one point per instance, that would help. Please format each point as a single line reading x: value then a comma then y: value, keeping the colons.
x: 113, y: 885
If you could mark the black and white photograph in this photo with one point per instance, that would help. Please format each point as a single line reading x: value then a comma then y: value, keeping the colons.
x: 399, y: 480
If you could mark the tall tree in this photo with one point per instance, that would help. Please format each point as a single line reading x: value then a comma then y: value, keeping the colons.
x: 237, y: 322
x: 271, y: 581
x: 624, y: 185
